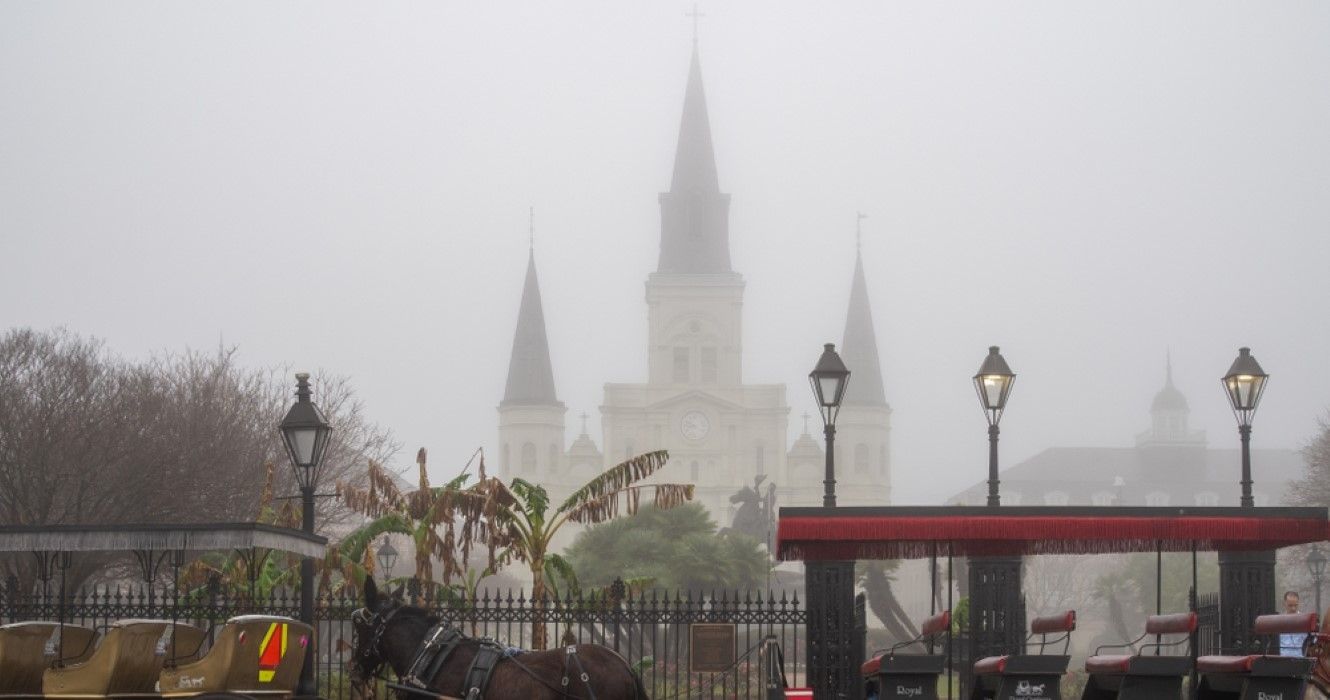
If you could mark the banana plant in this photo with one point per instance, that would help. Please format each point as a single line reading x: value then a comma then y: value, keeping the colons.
x: 515, y: 522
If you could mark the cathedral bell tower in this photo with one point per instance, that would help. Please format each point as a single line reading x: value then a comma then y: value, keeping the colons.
x: 721, y: 433
x: 531, y: 427
x: 863, y: 430
x: 694, y: 298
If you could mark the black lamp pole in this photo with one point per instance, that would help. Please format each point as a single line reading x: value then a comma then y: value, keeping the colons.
x: 829, y: 379
x: 1316, y: 565
x: 993, y: 383
x: 305, y: 433
x: 1244, y: 384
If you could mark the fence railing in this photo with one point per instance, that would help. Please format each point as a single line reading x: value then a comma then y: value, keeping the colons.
x: 649, y: 628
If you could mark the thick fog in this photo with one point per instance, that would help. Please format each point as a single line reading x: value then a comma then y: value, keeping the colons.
x: 345, y: 186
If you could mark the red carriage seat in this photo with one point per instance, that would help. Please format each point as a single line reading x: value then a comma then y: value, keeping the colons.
x: 1029, y: 675
x: 1293, y: 623
x: 932, y: 627
x: 1174, y: 624
x: 1253, y: 675
x: 1063, y: 623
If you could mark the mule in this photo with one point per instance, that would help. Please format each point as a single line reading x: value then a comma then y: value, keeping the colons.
x: 389, y: 632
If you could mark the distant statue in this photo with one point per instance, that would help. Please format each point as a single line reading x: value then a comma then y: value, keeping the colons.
x: 756, y: 516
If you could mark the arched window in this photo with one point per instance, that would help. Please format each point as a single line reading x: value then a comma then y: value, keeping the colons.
x: 681, y: 373
x: 861, y: 458
x: 554, y: 459
x: 528, y: 458
x: 709, y: 365
x: 1056, y: 498
x: 1156, y: 498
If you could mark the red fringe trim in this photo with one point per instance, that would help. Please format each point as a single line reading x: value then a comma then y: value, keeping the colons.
x: 914, y: 537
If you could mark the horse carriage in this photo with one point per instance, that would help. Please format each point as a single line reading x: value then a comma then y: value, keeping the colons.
x: 249, y: 656
x: 849, y: 534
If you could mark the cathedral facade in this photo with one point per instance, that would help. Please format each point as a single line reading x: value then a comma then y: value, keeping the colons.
x: 722, y: 434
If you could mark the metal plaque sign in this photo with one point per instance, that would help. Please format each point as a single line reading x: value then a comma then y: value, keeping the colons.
x: 711, y: 647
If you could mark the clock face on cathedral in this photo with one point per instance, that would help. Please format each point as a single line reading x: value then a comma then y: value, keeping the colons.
x: 695, y: 425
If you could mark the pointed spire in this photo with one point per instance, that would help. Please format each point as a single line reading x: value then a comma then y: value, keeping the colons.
x: 530, y: 374
x: 859, y: 347
x: 694, y: 214
x: 694, y: 157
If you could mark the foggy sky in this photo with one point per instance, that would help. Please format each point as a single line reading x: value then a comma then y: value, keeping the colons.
x: 345, y: 186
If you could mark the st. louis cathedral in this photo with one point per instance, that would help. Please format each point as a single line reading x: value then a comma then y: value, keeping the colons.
x: 721, y: 433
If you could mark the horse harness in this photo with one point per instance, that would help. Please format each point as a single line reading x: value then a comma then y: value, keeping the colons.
x: 443, y: 639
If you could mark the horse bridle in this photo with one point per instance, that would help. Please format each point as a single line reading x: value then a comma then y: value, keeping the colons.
x: 371, y: 651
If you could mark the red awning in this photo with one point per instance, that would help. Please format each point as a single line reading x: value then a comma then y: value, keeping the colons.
x: 915, y: 532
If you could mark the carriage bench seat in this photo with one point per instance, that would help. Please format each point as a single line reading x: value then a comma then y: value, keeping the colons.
x: 909, y: 675
x: 28, y: 648
x: 255, y: 655
x: 126, y: 664
x: 1141, y: 675
x: 1259, y: 675
x: 1032, y: 676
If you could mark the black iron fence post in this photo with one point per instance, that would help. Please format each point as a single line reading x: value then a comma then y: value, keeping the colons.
x: 1246, y: 590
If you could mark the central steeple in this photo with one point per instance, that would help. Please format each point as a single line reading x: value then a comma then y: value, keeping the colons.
x: 694, y: 214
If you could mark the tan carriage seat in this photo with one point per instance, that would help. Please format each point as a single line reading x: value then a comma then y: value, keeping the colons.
x: 257, y: 655
x: 126, y: 664
x: 28, y: 648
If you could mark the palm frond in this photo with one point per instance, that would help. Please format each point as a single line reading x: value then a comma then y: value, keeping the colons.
x: 616, y: 478
x: 606, y: 507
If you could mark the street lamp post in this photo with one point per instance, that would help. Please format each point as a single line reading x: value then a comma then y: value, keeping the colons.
x: 1316, y: 566
x: 1244, y: 385
x: 993, y: 384
x: 831, y: 651
x: 829, y: 379
x: 305, y: 433
x: 387, y: 557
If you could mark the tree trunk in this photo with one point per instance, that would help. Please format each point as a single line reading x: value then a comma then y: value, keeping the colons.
x: 539, y: 637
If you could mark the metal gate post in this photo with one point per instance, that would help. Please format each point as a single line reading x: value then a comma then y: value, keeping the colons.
x: 1246, y: 590
x: 833, y: 670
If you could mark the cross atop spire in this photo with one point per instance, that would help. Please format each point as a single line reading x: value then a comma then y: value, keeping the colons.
x: 584, y: 417
x: 695, y: 15
x: 805, y: 422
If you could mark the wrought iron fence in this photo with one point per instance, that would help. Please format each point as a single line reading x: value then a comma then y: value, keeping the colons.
x: 1207, y: 624
x: 649, y: 628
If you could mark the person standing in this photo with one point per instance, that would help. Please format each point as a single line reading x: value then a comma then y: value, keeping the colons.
x: 1291, y: 644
